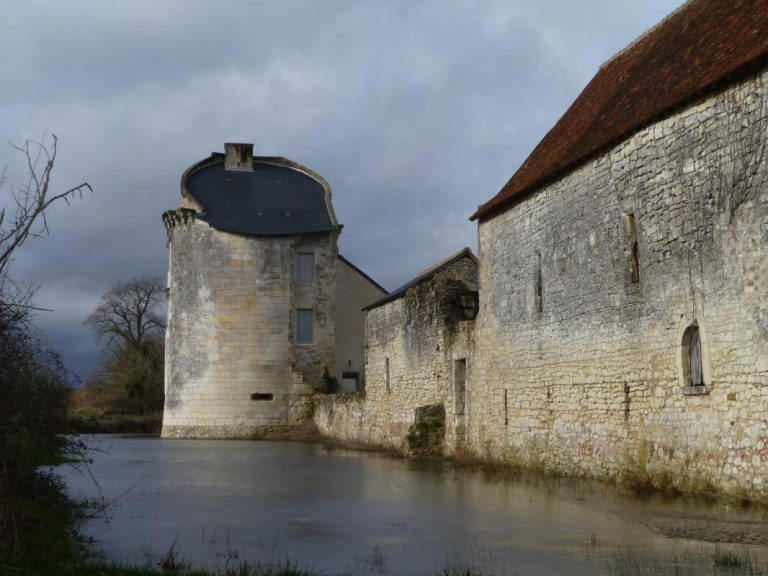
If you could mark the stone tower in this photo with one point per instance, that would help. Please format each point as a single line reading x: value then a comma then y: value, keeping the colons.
x: 251, y: 295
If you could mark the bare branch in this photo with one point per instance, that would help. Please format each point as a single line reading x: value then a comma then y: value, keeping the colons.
x: 129, y: 313
x: 32, y: 201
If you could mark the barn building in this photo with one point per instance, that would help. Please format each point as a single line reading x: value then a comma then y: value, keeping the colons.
x: 624, y: 267
x: 623, y: 274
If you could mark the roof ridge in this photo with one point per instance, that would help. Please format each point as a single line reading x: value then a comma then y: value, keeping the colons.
x: 423, y: 276
x: 700, y: 48
x: 645, y: 34
x: 445, y: 261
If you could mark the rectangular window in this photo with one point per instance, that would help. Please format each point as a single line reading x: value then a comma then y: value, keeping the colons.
x: 459, y: 386
x: 349, y: 381
x: 386, y: 372
x: 304, y: 325
x: 630, y: 229
x: 538, y: 290
x: 305, y: 267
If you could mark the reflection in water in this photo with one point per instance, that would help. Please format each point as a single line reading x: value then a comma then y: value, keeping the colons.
x: 348, y: 512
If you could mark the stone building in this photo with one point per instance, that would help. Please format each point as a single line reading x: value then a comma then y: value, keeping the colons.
x: 417, y: 341
x: 623, y: 314
x: 262, y: 310
x: 623, y: 278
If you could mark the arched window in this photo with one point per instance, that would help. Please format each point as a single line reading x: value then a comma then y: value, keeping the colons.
x: 693, y: 371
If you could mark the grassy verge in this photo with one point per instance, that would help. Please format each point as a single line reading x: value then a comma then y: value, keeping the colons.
x: 102, y: 568
x: 641, y: 478
x: 620, y: 563
x: 36, y: 517
x: 720, y: 563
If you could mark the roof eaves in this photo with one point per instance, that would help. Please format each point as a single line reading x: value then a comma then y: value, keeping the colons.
x: 422, y: 277
x: 561, y: 142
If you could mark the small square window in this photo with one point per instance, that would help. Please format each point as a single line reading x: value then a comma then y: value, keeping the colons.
x: 305, y: 267
x: 350, y: 381
x: 304, y: 325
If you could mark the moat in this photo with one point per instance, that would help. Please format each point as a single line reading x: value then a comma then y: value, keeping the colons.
x: 343, y: 512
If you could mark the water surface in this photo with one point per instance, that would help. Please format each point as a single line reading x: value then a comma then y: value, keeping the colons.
x: 344, y: 512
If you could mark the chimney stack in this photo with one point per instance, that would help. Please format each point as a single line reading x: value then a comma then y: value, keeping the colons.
x: 238, y: 157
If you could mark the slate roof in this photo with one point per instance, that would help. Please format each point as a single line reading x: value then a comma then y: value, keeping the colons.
x: 423, y: 277
x: 275, y: 199
x: 698, y: 49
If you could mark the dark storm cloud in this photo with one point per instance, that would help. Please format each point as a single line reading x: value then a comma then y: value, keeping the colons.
x: 415, y: 112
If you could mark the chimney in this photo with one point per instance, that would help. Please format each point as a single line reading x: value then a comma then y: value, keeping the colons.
x: 238, y: 157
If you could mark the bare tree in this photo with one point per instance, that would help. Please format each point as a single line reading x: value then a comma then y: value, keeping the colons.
x: 129, y: 313
x: 33, y: 381
x: 26, y: 217
x: 129, y: 321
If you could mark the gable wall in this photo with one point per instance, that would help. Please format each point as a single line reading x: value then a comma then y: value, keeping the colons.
x: 593, y: 380
x: 353, y: 293
x: 421, y: 345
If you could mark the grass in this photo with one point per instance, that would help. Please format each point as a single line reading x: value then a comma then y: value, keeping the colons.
x: 719, y: 563
x: 36, y: 517
x: 730, y: 559
x: 682, y: 480
x: 103, y: 568
x: 181, y: 568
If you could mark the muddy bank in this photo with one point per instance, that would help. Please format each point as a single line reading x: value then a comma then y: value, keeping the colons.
x: 115, y: 424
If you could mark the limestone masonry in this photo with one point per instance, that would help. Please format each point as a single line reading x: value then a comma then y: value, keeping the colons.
x: 414, y: 337
x: 623, y: 281
x: 253, y: 320
x: 614, y: 321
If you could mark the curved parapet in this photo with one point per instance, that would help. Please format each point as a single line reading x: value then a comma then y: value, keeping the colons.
x: 272, y: 196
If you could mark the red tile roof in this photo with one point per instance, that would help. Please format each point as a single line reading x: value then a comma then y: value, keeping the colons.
x: 696, y: 50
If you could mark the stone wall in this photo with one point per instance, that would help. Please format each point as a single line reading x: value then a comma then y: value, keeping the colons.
x: 581, y: 367
x: 412, y: 344
x: 232, y: 364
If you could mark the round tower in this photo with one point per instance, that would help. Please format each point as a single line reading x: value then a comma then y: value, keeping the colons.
x: 251, y: 295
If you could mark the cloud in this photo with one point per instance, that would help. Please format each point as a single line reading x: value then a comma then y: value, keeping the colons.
x: 415, y: 112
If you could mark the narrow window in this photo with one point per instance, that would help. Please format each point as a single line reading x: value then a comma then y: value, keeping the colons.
x: 305, y: 267
x: 261, y: 396
x: 386, y: 372
x: 538, y: 292
x: 460, y: 386
x: 626, y: 401
x: 697, y: 372
x: 506, y: 411
x: 630, y: 229
x: 693, y: 370
x: 304, y: 325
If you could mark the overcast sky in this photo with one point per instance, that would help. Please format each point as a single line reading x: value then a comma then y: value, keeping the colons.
x: 414, y: 111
